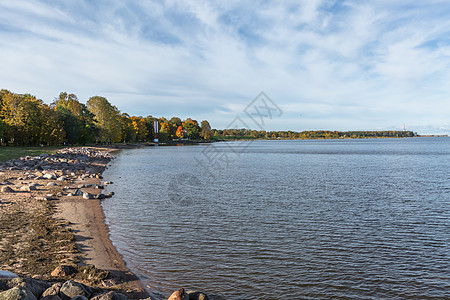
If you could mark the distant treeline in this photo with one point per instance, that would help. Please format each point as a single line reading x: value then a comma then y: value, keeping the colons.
x: 317, y: 134
x: 26, y: 121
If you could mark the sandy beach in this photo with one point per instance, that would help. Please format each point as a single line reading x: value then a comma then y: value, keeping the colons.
x: 49, y: 217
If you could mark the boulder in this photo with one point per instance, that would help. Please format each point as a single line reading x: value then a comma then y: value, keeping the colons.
x: 100, y: 196
x: 110, y: 296
x: 49, y: 176
x: 44, y: 198
x: 88, y: 196
x: 17, y: 293
x: 28, y: 188
x: 79, y: 297
x: 197, y: 295
x: 63, y: 271
x: 179, y: 295
x: 53, y: 290
x: 44, y: 155
x: 37, y: 287
x: 72, y: 288
x: 52, y: 184
x: 62, y: 178
x: 7, y: 189
x: 7, y: 274
x: 51, y: 297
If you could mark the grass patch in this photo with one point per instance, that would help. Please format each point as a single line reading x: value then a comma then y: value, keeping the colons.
x: 7, y: 153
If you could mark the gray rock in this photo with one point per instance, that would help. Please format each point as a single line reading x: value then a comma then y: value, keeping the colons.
x: 100, y: 196
x: 17, y: 293
x: 49, y: 176
x: 88, y: 196
x: 28, y: 188
x: 37, y: 287
x: 51, y: 297
x: 78, y: 193
x: 7, y: 189
x: 79, y: 297
x: 197, y: 295
x: 52, y: 184
x: 7, y: 274
x: 72, y: 288
x: 110, y: 296
x: 44, y: 155
x: 62, y: 178
x: 53, y: 290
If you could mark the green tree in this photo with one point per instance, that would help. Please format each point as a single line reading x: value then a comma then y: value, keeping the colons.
x: 70, y: 123
x: 205, y: 131
x: 52, y: 131
x: 107, y: 117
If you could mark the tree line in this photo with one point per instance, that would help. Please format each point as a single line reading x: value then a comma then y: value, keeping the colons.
x: 310, y: 134
x: 27, y: 121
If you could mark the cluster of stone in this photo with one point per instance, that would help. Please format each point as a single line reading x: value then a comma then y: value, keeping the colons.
x: 67, y: 160
x: 13, y: 287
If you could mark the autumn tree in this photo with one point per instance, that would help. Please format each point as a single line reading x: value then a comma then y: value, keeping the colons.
x: 139, y: 127
x: 180, y: 132
x: 192, y: 129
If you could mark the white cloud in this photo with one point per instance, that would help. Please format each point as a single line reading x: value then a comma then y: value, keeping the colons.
x: 374, y: 63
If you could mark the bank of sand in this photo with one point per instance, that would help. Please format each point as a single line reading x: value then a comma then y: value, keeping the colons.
x: 39, y: 233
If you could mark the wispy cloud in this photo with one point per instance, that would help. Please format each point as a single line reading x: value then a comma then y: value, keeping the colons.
x: 338, y: 64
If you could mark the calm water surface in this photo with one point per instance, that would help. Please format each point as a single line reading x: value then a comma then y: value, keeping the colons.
x: 317, y: 219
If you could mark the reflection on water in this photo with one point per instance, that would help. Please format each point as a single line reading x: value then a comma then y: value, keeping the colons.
x: 359, y: 219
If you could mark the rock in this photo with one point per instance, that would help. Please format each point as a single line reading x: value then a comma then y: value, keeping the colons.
x: 17, y: 293
x: 37, y: 287
x: 81, y: 186
x: 72, y: 288
x: 197, y: 295
x: 44, y: 198
x: 109, y: 195
x: 63, y: 271
x: 52, y: 184
x: 28, y: 188
x: 62, y: 178
x: 88, y: 196
x: 110, y: 296
x: 7, y: 274
x: 110, y: 282
x: 53, y: 290
x: 44, y: 155
x: 79, y: 297
x: 179, y: 295
x: 100, y: 196
x: 7, y: 189
x: 49, y: 176
x: 51, y: 297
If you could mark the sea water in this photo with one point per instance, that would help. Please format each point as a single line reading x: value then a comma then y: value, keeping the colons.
x: 306, y: 219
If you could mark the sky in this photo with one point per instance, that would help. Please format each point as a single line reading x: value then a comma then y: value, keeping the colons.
x: 324, y: 64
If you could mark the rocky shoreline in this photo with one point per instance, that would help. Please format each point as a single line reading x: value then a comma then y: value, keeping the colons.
x: 52, y: 231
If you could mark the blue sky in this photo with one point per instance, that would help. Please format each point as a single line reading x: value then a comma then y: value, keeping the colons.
x: 339, y: 65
